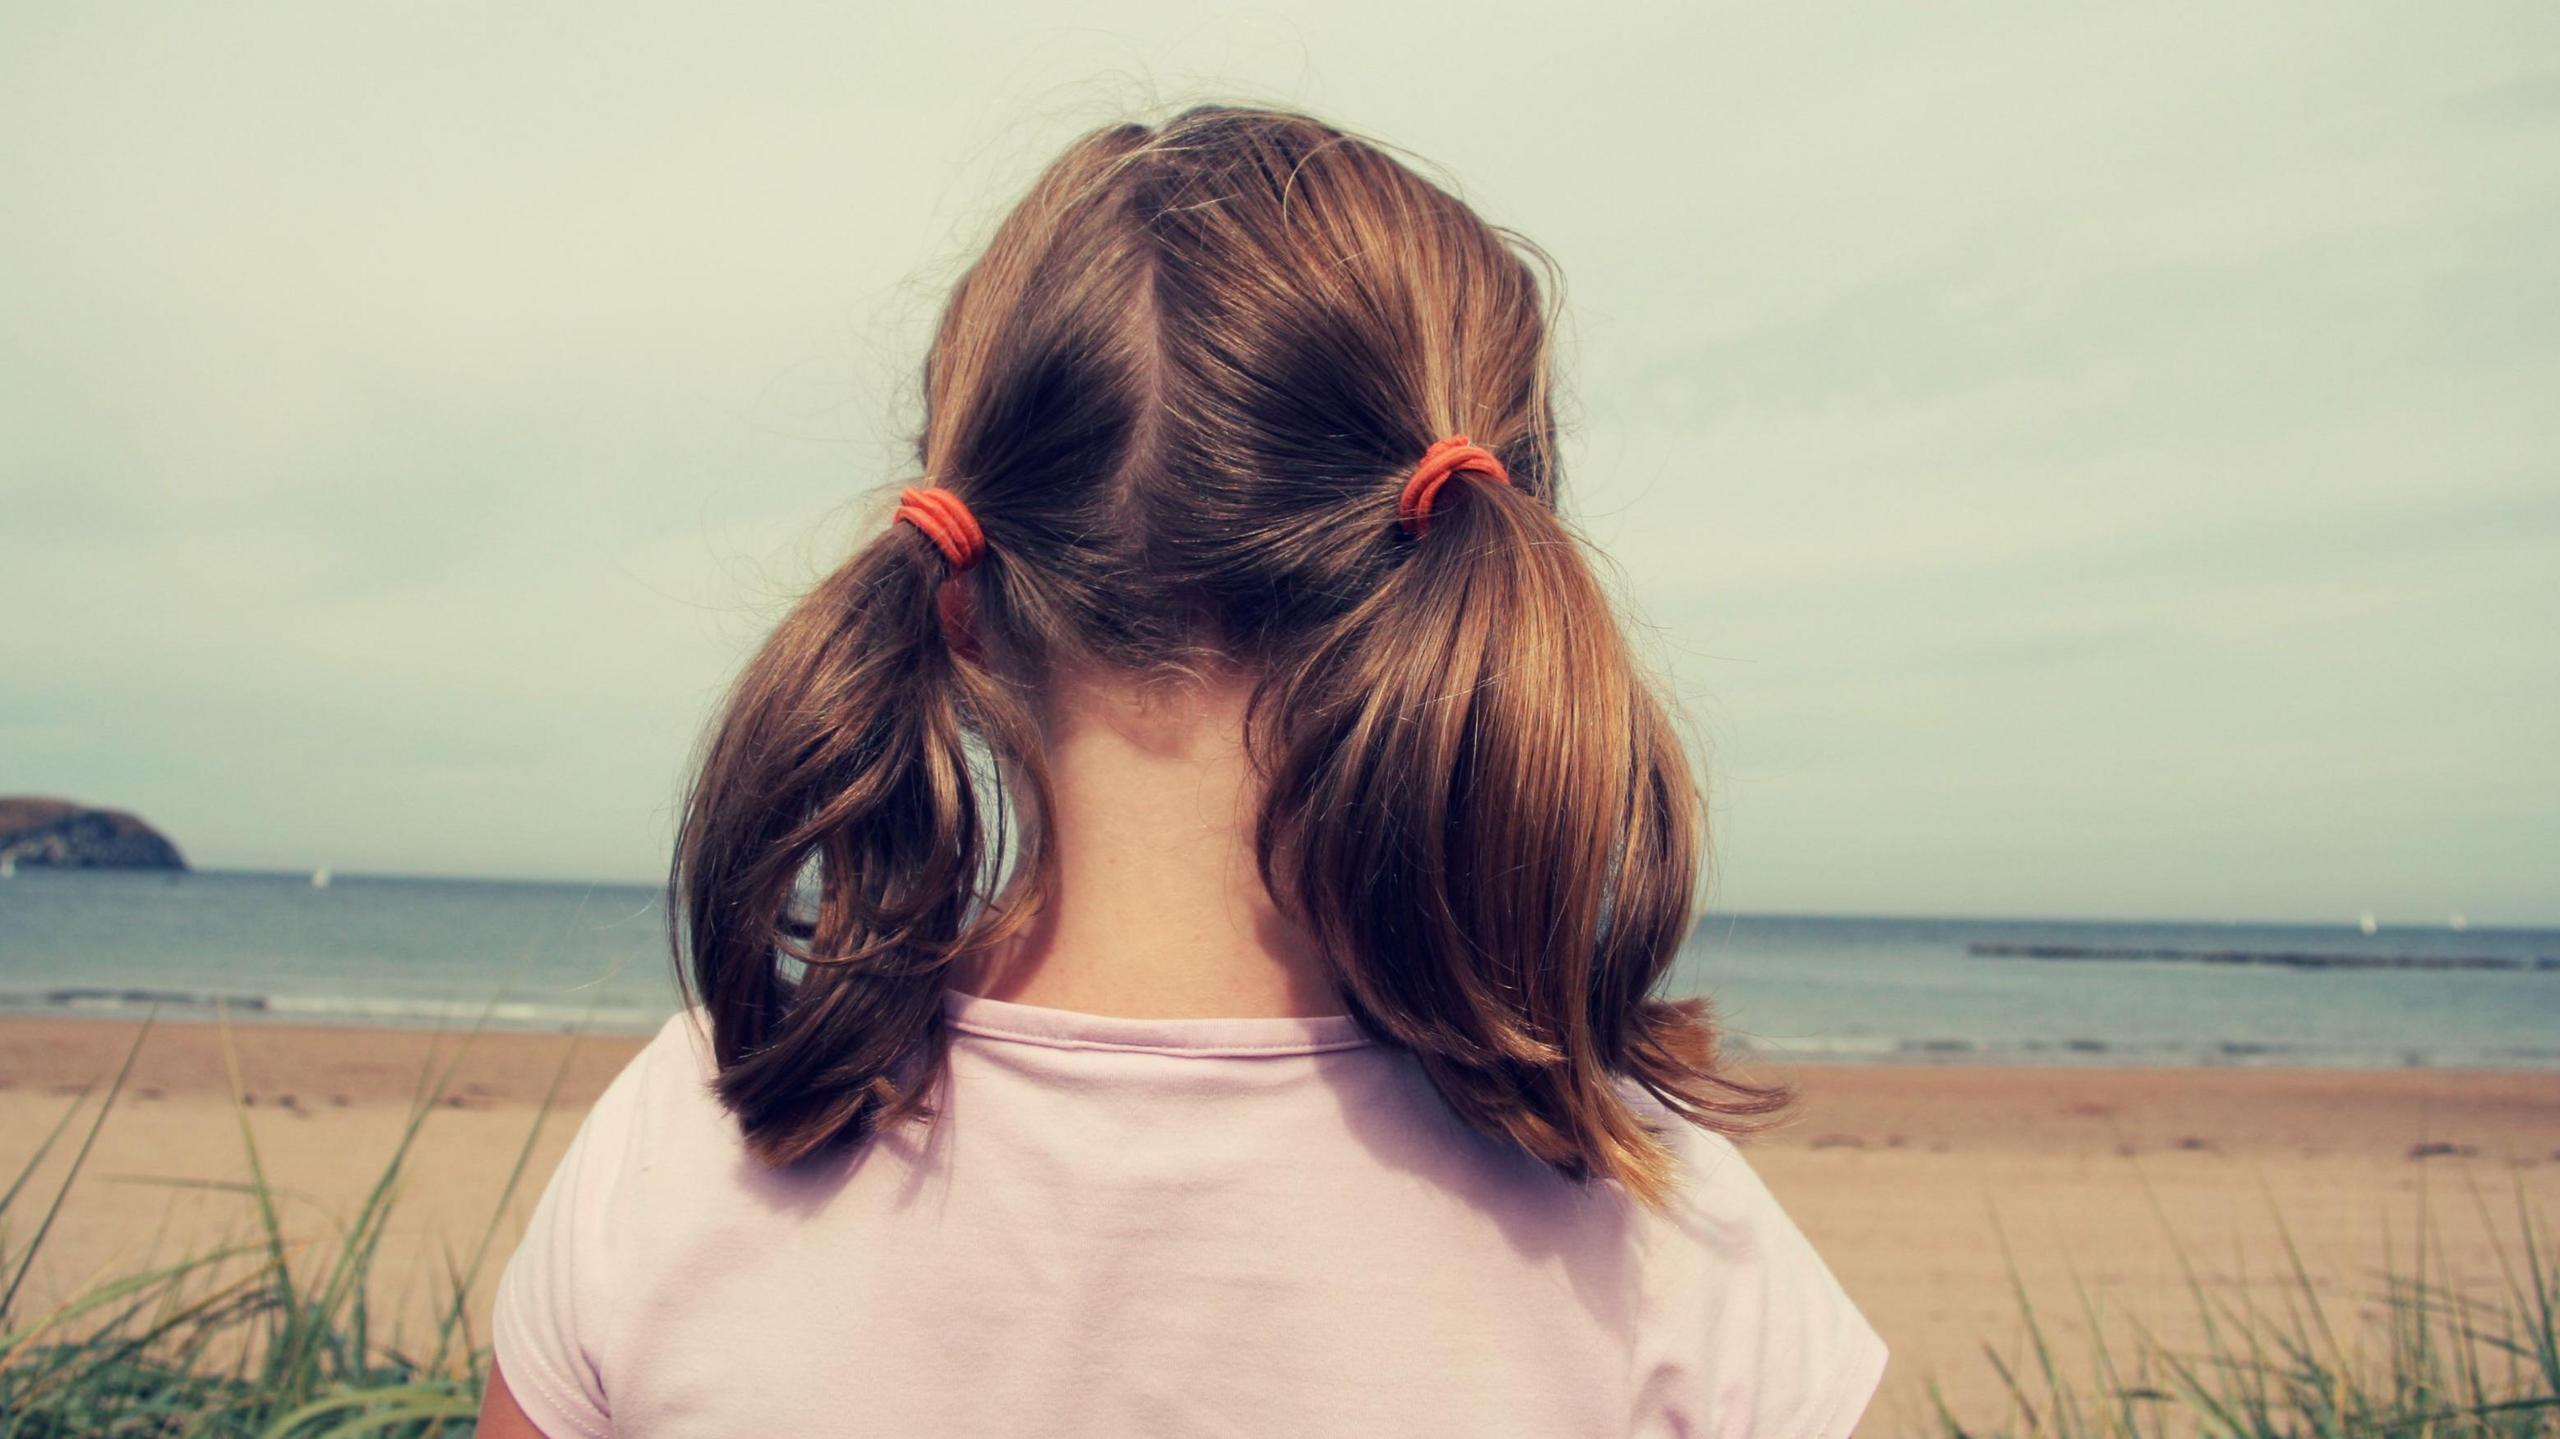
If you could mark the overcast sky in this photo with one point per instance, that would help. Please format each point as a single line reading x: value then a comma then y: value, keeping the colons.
x: 2076, y: 460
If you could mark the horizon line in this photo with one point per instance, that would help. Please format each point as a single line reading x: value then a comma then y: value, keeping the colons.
x: 1707, y: 916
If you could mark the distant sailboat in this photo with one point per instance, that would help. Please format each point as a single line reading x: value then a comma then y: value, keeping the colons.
x: 2366, y: 923
x: 2459, y: 921
x: 320, y: 877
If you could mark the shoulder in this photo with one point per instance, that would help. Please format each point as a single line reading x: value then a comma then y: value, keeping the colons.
x: 658, y: 1113
x: 676, y: 1062
x: 1720, y: 1203
x: 1750, y: 1331
x: 563, y: 1296
x: 663, y: 1095
x: 1724, y: 1207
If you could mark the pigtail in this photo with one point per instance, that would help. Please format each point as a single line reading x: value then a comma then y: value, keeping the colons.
x: 1481, y: 808
x: 832, y: 845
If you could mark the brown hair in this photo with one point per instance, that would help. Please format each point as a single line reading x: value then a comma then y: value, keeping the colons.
x: 1181, y: 391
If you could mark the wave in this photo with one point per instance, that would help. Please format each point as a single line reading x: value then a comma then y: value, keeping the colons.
x: 327, y: 1008
x: 1914, y: 1049
x: 398, y: 1013
x: 2284, y: 958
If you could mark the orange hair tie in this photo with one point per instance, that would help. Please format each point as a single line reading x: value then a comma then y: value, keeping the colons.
x: 946, y: 520
x: 1452, y: 456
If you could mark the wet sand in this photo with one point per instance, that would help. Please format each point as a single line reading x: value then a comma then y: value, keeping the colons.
x: 1907, y: 1177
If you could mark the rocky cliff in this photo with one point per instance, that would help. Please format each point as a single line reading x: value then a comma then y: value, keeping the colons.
x: 38, y: 831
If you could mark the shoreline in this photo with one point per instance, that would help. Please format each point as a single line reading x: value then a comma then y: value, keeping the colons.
x: 341, y: 1065
x: 1922, y: 1185
x: 189, y: 1046
x: 2067, y: 1055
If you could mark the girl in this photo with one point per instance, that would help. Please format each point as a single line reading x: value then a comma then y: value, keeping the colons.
x: 1176, y: 918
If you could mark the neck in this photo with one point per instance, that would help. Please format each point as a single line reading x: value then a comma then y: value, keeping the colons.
x: 1157, y: 911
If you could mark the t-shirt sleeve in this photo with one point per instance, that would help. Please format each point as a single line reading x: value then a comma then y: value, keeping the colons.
x: 1767, y: 1343
x: 552, y: 1298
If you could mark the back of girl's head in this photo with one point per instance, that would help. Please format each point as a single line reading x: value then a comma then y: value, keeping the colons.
x: 1181, y: 392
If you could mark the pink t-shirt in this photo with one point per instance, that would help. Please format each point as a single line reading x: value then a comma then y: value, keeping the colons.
x: 1116, y: 1227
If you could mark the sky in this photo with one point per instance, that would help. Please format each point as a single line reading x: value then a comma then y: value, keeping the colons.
x: 2070, y: 460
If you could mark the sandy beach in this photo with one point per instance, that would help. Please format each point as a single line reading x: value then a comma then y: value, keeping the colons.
x: 1908, y: 1177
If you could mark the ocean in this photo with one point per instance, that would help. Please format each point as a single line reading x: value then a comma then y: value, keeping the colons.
x: 412, y: 952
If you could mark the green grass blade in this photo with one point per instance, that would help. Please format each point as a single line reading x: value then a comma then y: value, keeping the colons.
x: 53, y: 1211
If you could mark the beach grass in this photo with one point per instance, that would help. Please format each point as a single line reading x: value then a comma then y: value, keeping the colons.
x: 2417, y: 1358
x: 276, y: 1334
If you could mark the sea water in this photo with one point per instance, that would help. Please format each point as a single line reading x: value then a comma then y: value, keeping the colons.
x: 452, y: 953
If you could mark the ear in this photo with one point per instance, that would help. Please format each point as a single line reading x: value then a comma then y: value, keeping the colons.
x: 959, y: 621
